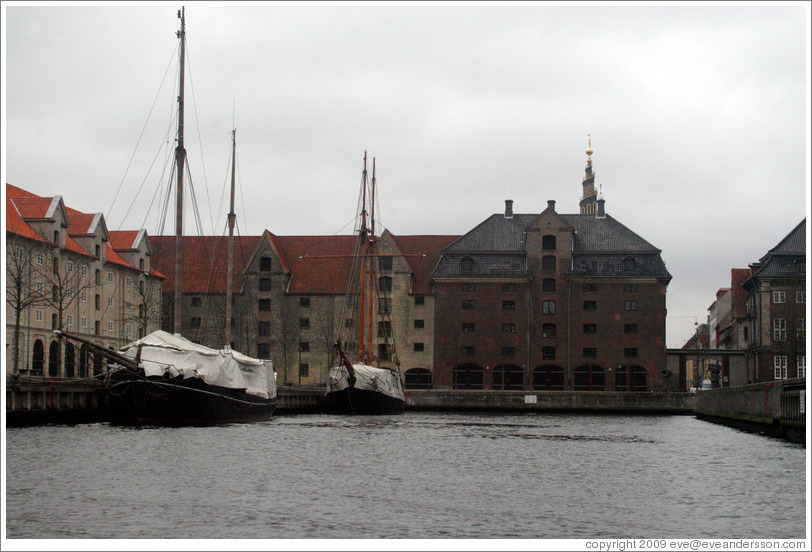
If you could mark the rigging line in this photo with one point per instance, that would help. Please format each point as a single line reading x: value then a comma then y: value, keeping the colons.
x: 156, y: 194
x: 195, y: 209
x: 199, y: 140
x: 140, y: 187
x: 143, y: 129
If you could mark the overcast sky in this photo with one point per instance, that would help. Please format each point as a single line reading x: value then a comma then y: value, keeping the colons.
x: 699, y: 118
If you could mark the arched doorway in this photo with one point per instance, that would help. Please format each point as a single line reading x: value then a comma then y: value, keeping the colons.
x: 467, y: 376
x: 38, y: 357
x: 590, y: 378
x: 418, y: 378
x: 631, y: 378
x: 508, y: 376
x: 548, y: 377
x: 70, y: 361
x: 84, y: 361
x: 53, y: 359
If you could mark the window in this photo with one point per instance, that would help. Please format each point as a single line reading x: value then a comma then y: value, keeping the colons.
x: 39, y: 315
x: 589, y: 288
x: 264, y: 284
x: 468, y: 351
x: 383, y: 351
x: 264, y: 328
x: 97, y: 302
x: 467, y: 264
x: 508, y: 305
x: 69, y: 320
x: 348, y: 322
x: 590, y: 328
x: 548, y: 285
x: 508, y: 327
x: 590, y: 352
x: 40, y: 259
x: 779, y: 297
x: 468, y: 327
x: 195, y: 322
x: 128, y: 306
x: 548, y: 307
x: 140, y: 264
x: 468, y: 287
x: 629, y: 264
x: 630, y: 288
x: 385, y: 305
x: 630, y: 305
x: 548, y: 353
x: 97, y: 328
x: 385, y: 329
x: 110, y: 276
x: 129, y: 282
x: 304, y: 346
x: 109, y: 301
x: 508, y: 287
x: 419, y: 324
x: 385, y: 283
x: 419, y: 347
x: 304, y: 301
x: 197, y: 301
x: 548, y: 330
x: 590, y: 305
x: 264, y: 350
x: 84, y: 271
x: 548, y: 243
x: 779, y: 329
x: 264, y: 305
x: 97, y: 277
x: 800, y: 329
x: 385, y: 263
x: 18, y: 252
x: 548, y: 262
x: 265, y: 264
x: 800, y: 297
x: 304, y: 323
x: 508, y: 351
x: 69, y: 266
x: 304, y: 369
x: 630, y: 328
x: 419, y: 300
x: 630, y: 352
x: 468, y: 304
x: 83, y: 297
x: 801, y: 364
x: 110, y: 327
x: 69, y: 293
x: 83, y: 322
x: 780, y: 367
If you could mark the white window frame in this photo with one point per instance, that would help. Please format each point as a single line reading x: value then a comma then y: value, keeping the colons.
x: 800, y: 362
x: 110, y: 276
x: 69, y: 320
x: 38, y: 315
x: 779, y: 297
x: 110, y: 327
x: 800, y: 297
x: 129, y: 281
x: 83, y: 322
x: 129, y: 306
x: 40, y: 259
x: 69, y: 294
x: 69, y: 266
x: 84, y: 271
x: 18, y: 252
x: 128, y: 330
x: 83, y: 296
x: 780, y: 367
x: 109, y: 301
x: 779, y: 329
x: 800, y: 329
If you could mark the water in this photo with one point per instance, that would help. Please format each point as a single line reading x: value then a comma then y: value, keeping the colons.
x: 418, y: 475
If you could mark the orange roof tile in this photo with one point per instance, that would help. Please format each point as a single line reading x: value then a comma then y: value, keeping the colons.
x: 318, y: 264
x: 429, y: 248
x: 123, y: 239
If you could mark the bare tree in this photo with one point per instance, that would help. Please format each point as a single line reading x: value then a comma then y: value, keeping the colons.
x: 288, y: 333
x: 21, y: 289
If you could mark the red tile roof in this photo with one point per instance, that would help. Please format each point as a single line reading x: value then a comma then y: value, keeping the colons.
x: 123, y: 239
x: 429, y: 248
x: 204, y: 266
x: 15, y: 223
x: 318, y: 264
x: 33, y: 207
x: 80, y: 223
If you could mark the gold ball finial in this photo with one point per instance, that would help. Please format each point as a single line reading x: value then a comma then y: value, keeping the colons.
x: 589, y: 146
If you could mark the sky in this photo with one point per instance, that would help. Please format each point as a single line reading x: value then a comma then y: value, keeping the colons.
x: 698, y: 115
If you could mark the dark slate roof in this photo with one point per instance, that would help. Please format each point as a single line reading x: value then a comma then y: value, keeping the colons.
x: 498, y: 248
x: 782, y: 260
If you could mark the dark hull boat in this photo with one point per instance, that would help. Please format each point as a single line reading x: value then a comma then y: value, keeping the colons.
x: 369, y: 390
x: 138, y: 400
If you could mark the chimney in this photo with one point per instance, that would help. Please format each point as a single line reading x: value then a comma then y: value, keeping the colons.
x: 601, y: 212
x: 508, y: 208
x: 551, y: 204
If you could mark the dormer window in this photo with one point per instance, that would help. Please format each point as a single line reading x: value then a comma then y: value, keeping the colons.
x: 141, y: 265
x: 800, y: 266
x: 56, y: 237
x: 467, y: 264
x: 629, y: 264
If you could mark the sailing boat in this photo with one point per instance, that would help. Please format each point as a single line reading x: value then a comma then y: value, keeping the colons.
x: 164, y: 378
x: 360, y: 387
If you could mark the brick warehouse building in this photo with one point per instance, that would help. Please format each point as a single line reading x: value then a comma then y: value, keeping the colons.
x: 551, y: 301
x: 538, y: 301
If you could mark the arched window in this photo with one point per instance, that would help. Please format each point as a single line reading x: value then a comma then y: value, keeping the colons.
x: 83, y: 361
x: 548, y: 377
x: 508, y: 376
x: 590, y: 378
x: 467, y: 264
x: 70, y: 361
x: 38, y: 357
x: 418, y: 378
x: 97, y: 278
x: 629, y: 264
x: 53, y: 359
x: 631, y: 378
x: 467, y: 376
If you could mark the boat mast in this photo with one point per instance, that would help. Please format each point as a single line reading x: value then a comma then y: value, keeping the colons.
x: 362, y: 236
x: 180, y: 165
x: 231, y: 220
x: 370, y: 256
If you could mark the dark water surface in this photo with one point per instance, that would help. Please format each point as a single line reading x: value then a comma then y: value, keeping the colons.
x: 418, y: 475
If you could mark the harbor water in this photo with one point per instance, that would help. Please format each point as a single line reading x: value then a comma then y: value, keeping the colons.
x: 414, y: 476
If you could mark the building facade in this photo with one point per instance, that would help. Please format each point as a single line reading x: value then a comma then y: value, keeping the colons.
x: 66, y: 271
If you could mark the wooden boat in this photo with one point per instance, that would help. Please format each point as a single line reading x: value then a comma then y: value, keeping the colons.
x: 373, y: 384
x: 166, y: 379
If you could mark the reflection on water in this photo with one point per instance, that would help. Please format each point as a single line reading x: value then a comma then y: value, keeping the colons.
x: 416, y: 475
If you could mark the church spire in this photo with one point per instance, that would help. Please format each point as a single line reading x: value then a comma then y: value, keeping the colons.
x: 589, y: 198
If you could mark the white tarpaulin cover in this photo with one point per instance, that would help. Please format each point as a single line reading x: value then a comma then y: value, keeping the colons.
x: 163, y: 352
x: 368, y: 378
